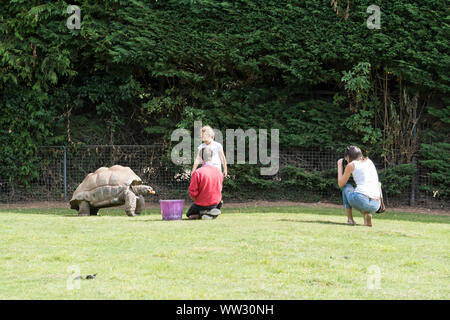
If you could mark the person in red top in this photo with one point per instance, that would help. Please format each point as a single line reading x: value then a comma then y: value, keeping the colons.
x: 206, y: 189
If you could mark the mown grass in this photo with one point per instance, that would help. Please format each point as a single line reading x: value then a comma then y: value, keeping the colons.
x: 252, y: 253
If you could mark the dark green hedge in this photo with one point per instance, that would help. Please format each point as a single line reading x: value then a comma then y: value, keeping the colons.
x: 139, y: 69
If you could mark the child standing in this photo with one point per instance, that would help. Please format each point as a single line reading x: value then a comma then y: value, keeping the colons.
x: 218, y: 157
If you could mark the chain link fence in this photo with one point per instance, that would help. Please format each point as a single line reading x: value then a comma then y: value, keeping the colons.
x: 304, y: 175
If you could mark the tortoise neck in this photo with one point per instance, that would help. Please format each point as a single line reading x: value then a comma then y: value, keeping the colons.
x: 138, y: 190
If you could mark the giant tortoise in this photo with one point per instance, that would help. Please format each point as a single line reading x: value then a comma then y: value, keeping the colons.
x: 109, y: 187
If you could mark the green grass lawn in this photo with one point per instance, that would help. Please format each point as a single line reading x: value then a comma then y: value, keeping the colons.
x: 253, y: 253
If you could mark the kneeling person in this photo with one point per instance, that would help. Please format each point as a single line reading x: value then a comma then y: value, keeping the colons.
x: 206, y: 189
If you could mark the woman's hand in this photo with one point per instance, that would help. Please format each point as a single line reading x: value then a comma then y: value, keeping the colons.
x: 343, y: 177
x: 340, y: 164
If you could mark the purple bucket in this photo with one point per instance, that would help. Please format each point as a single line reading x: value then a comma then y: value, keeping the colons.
x: 171, y: 209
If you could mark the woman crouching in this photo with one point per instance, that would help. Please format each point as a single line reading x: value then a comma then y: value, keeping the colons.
x: 366, y: 197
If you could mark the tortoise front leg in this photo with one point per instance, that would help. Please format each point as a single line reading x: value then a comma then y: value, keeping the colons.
x: 140, y: 205
x: 130, y: 203
x: 84, y: 209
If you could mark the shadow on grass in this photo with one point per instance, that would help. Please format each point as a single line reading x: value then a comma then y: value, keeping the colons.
x: 392, y: 216
x: 388, y: 215
x: 74, y: 213
x: 68, y: 213
x: 321, y: 222
x: 405, y: 216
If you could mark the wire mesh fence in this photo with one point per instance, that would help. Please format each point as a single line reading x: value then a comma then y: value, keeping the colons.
x: 304, y: 175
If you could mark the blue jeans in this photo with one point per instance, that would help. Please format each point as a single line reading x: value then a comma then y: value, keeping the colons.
x: 358, y: 201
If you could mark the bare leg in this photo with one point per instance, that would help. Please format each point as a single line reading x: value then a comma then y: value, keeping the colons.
x: 347, y: 191
x: 130, y: 203
x: 367, y: 219
x: 350, y: 220
x: 84, y: 209
x: 140, y: 205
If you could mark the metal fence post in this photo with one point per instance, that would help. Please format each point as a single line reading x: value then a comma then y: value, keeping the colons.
x: 412, y: 196
x: 65, y: 173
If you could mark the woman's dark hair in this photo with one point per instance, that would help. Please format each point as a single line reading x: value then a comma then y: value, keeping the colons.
x: 353, y: 153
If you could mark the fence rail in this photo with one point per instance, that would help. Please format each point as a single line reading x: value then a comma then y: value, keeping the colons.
x: 61, y: 170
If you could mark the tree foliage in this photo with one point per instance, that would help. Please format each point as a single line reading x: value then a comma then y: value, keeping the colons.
x: 136, y: 70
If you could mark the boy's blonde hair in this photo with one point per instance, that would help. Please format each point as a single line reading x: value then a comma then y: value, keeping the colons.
x: 208, y: 132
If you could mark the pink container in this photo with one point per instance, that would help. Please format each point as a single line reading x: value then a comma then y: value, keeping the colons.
x: 171, y: 209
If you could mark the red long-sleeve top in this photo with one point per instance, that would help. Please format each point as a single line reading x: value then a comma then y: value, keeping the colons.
x: 206, y: 186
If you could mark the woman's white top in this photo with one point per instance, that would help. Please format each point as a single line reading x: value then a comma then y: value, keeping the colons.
x: 366, y: 178
x: 216, y: 148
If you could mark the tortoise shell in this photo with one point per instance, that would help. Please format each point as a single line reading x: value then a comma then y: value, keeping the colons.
x: 104, y: 186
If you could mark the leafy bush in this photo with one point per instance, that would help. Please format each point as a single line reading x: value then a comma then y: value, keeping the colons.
x: 435, y: 161
x: 396, y: 180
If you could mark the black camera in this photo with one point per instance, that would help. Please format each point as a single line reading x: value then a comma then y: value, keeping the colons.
x: 344, y: 164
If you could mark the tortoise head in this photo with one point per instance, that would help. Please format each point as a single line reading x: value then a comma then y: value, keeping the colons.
x: 143, y: 190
